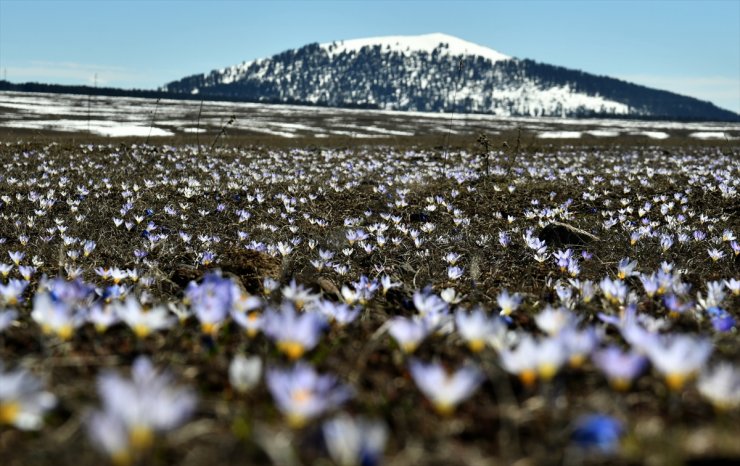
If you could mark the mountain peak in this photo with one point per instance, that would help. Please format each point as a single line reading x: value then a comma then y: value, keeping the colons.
x: 451, y: 45
x: 419, y: 72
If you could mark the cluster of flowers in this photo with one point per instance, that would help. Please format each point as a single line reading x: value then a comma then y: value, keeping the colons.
x: 267, y: 204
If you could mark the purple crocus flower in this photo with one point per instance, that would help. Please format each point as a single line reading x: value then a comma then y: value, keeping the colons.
x: 210, y: 300
x: 303, y: 394
x: 445, y: 390
x: 598, y: 432
x: 620, y: 367
x: 293, y: 333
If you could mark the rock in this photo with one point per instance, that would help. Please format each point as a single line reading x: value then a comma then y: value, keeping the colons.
x: 250, y: 266
x: 562, y: 234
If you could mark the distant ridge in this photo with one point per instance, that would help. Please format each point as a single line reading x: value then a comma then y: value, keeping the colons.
x: 423, y: 73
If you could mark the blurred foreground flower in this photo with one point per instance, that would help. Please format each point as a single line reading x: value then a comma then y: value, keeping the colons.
x: 355, y: 442
x: 56, y: 316
x: 598, y: 432
x: 244, y: 372
x: 476, y: 327
x: 721, y: 386
x: 23, y: 401
x: 443, y: 389
x: 211, y: 300
x: 620, y: 368
x: 294, y: 333
x: 302, y: 394
x: 135, y: 410
x: 7, y: 316
x: 408, y: 333
x: 679, y: 357
x: 508, y: 303
x: 531, y: 359
x: 143, y: 322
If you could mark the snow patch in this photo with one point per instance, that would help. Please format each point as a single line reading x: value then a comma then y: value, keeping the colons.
x: 102, y: 127
x: 421, y: 43
x: 603, y: 133
x: 652, y: 134
x: 559, y: 135
x: 710, y: 135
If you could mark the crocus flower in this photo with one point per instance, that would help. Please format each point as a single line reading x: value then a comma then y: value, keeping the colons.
x: 211, y: 300
x: 615, y: 291
x: 251, y: 322
x: 620, y: 368
x: 626, y: 268
x: 7, y: 316
x: 450, y: 296
x: 445, y: 390
x: 531, y: 359
x: 136, y: 410
x: 722, y: 321
x: 552, y: 320
x: 679, y: 357
x: 408, y: 333
x: 16, y: 256
x: 522, y: 360
x: 721, y: 386
x: 302, y: 394
x: 508, y: 303
x: 355, y: 442
x: 23, y: 401
x: 5, y: 269
x: 428, y: 303
x: 102, y: 316
x: 143, y: 322
x: 293, y: 333
x: 56, y: 316
x: 476, y: 327
x: 341, y: 313
x: 598, y: 432
x: 298, y: 294
x: 244, y: 372
x: 579, y: 343
x: 10, y: 293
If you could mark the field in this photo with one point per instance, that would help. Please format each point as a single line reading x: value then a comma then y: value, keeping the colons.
x: 587, y: 293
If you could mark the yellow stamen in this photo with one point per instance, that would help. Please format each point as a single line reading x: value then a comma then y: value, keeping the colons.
x: 296, y: 421
x: 209, y: 328
x: 141, y: 437
x: 121, y: 458
x: 676, y: 381
x: 547, y: 371
x: 141, y: 330
x: 65, y: 332
x: 620, y: 384
x: 576, y: 360
x: 292, y: 349
x: 476, y: 346
x: 9, y: 412
x: 409, y: 347
x: 528, y: 377
x: 444, y: 409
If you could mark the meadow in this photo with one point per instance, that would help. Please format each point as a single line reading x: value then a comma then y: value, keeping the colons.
x: 354, y: 304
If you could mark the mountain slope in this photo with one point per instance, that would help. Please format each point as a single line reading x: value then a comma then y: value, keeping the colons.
x: 437, y: 72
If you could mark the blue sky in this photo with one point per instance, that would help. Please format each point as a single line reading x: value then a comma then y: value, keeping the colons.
x: 690, y: 47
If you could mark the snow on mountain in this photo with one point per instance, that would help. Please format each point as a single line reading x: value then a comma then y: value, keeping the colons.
x: 407, y: 45
x: 424, y: 73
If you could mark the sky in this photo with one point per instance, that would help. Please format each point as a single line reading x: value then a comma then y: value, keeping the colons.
x: 688, y: 47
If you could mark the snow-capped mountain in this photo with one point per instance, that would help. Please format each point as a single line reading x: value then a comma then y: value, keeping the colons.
x: 437, y: 73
